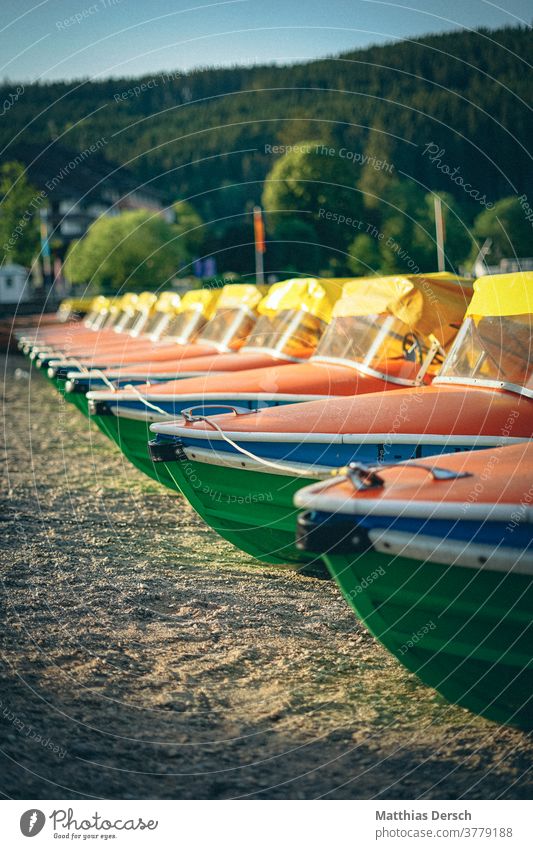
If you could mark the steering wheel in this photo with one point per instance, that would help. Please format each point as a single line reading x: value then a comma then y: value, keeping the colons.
x: 412, y: 349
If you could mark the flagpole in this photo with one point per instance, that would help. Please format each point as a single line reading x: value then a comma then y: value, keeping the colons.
x: 259, y: 241
x: 439, y: 231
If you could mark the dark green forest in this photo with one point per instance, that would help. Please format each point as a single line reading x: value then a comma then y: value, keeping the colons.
x: 212, y: 136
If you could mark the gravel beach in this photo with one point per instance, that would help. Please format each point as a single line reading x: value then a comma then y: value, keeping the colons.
x: 144, y: 657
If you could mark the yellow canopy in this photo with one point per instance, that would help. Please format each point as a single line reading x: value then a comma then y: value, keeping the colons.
x: 168, y: 302
x: 127, y: 301
x: 79, y: 304
x: 503, y: 294
x: 204, y: 300
x: 236, y: 295
x: 146, y: 301
x: 314, y: 296
x: 433, y: 304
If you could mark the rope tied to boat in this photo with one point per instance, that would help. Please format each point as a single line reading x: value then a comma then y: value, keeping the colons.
x: 145, y: 401
x: 79, y: 365
x: 102, y: 375
x: 286, y: 467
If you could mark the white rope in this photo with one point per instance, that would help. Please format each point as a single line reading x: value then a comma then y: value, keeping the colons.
x: 76, y: 363
x: 297, y: 472
x: 145, y: 401
x: 102, y: 375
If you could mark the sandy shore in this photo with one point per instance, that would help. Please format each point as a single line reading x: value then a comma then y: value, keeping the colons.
x: 143, y: 657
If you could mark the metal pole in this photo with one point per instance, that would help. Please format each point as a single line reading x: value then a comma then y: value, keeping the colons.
x: 45, y: 248
x: 259, y: 241
x: 439, y: 230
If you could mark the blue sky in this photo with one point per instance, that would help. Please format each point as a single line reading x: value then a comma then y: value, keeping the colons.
x: 68, y: 39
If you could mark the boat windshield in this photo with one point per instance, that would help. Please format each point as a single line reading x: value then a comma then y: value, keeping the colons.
x: 156, y: 324
x: 184, y: 326
x: 91, y: 317
x: 139, y: 325
x: 105, y: 318
x: 229, y: 327
x: 492, y: 351
x: 379, y: 344
x: 127, y: 321
x: 291, y: 333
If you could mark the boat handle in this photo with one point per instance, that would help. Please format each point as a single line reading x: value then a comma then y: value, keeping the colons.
x: 363, y: 477
x: 436, y: 472
x: 366, y: 477
x: 189, y: 416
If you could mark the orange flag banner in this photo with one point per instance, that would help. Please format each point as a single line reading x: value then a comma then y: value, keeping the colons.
x: 259, y: 230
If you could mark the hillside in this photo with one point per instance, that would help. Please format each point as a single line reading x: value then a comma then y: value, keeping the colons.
x: 206, y: 135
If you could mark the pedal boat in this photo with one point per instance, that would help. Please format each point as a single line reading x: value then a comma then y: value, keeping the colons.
x: 281, y: 297
x: 121, y: 322
x: 117, y: 321
x: 103, y: 310
x: 188, y: 320
x: 240, y: 470
x: 71, y: 312
x: 293, y: 316
x: 436, y: 559
x: 183, y: 325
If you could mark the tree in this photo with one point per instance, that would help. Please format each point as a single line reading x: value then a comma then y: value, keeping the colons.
x: 364, y: 256
x: 189, y: 225
x: 134, y: 250
x: 19, y: 210
x: 314, y: 180
x: 404, y: 241
x: 377, y: 168
x: 507, y: 226
x: 295, y: 248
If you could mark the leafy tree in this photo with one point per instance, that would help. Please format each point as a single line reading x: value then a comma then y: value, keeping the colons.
x: 134, y: 250
x: 318, y: 183
x: 189, y: 226
x: 19, y: 215
x: 296, y: 247
x: 377, y: 168
x: 364, y: 256
x: 405, y: 240
x: 508, y: 228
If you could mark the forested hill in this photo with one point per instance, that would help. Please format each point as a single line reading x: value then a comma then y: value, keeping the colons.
x: 196, y: 133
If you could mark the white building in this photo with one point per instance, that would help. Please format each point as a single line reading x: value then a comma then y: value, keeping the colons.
x: 14, y: 284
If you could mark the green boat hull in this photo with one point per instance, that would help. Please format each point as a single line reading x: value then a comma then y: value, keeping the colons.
x: 252, y: 510
x: 464, y: 632
x: 79, y: 399
x: 132, y: 437
x: 57, y: 383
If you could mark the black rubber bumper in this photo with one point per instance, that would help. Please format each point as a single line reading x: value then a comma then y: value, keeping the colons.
x: 99, y: 408
x: 166, y: 450
x: 58, y: 372
x: 78, y: 385
x: 323, y: 534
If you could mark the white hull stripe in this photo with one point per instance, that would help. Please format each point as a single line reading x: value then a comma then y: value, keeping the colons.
x: 100, y: 395
x: 317, y: 498
x: 239, y: 461
x: 474, y: 440
x: 453, y: 552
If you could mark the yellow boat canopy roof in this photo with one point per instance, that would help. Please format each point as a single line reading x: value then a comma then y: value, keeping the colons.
x: 200, y: 300
x: 237, y: 295
x: 128, y: 301
x: 145, y: 301
x: 433, y: 304
x: 82, y: 303
x: 168, y: 302
x: 503, y: 294
x: 309, y: 294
